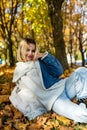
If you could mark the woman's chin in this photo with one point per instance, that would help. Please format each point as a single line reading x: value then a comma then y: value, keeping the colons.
x: 29, y: 60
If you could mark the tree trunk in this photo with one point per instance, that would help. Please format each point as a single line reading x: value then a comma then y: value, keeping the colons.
x: 11, y: 57
x: 82, y: 52
x: 54, y: 8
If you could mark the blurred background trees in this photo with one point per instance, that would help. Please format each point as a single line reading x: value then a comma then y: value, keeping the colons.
x: 59, y: 27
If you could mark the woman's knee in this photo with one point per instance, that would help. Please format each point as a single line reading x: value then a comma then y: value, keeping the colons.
x: 81, y: 69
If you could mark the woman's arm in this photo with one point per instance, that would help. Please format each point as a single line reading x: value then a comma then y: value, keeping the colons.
x: 53, y: 65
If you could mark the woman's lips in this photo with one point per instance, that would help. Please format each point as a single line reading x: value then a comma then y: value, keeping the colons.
x: 30, y: 57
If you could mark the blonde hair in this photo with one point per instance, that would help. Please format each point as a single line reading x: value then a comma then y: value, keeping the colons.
x: 21, y: 51
x: 23, y: 45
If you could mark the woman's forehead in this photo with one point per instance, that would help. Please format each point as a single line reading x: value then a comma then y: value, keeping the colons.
x: 32, y: 46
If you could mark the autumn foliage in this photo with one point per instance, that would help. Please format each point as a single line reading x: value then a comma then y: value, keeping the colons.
x: 12, y: 119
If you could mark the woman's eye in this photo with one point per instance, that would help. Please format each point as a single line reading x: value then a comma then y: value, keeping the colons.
x: 33, y: 51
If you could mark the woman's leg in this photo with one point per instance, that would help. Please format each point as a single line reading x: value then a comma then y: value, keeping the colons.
x: 65, y: 107
x: 76, y: 84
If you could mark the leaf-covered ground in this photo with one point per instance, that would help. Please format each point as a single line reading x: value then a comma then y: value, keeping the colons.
x: 12, y: 119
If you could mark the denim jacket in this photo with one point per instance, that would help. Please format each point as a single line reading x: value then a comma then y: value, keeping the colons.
x: 51, y: 70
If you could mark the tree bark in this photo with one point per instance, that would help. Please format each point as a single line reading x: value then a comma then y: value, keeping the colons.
x: 54, y: 8
x: 11, y: 57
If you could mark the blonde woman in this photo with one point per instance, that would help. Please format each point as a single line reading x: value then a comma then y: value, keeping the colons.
x: 40, y: 88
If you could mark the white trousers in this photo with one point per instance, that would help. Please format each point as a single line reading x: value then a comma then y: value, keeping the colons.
x: 76, y: 86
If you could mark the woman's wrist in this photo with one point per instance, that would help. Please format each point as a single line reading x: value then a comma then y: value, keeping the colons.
x: 40, y: 55
x: 44, y: 55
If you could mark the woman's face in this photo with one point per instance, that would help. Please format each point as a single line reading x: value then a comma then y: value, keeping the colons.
x: 30, y: 52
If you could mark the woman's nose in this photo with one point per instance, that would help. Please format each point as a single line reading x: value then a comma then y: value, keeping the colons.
x: 30, y: 52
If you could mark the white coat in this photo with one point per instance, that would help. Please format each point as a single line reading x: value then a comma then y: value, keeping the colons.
x: 29, y: 95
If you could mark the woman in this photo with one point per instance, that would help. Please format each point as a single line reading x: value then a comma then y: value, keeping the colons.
x: 40, y: 88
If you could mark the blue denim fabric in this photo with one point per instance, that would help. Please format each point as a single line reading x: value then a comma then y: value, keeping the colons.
x: 76, y: 86
x: 51, y: 70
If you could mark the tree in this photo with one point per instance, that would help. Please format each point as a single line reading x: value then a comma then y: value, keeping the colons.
x: 82, y: 28
x: 36, y: 15
x: 8, y: 24
x: 55, y: 9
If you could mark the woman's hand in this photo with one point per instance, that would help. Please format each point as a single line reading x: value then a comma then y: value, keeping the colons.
x: 38, y: 55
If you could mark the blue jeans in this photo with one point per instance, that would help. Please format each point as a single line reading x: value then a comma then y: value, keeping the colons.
x: 76, y: 86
